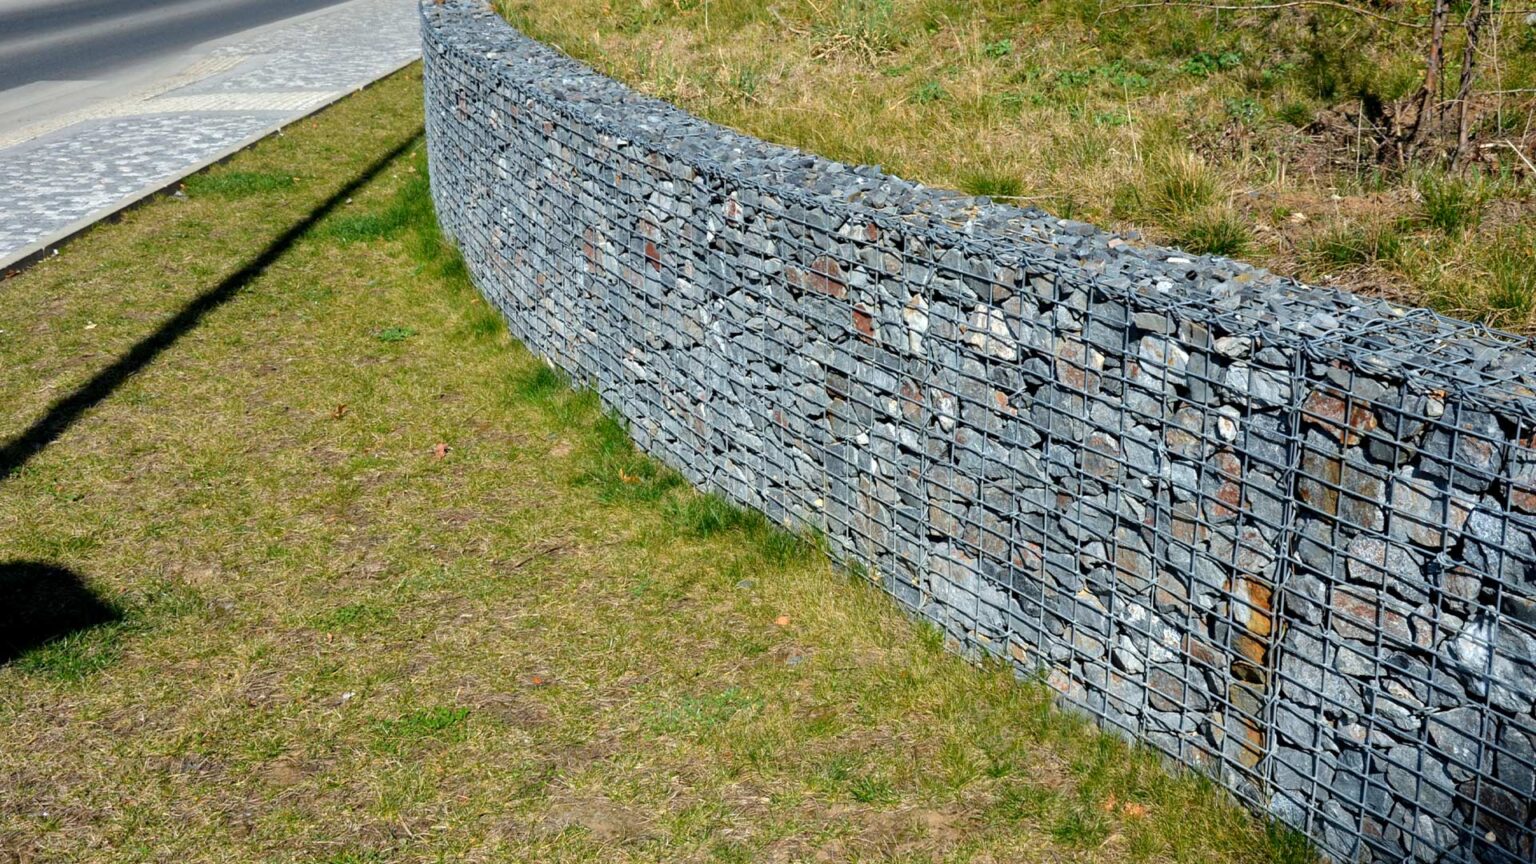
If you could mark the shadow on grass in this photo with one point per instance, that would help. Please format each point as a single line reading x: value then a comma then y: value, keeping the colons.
x: 67, y: 411
x: 41, y: 603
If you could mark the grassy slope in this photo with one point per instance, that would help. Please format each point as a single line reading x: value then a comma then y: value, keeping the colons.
x: 1184, y: 124
x: 341, y: 642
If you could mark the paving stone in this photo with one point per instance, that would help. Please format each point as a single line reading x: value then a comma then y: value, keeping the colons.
x: 80, y: 165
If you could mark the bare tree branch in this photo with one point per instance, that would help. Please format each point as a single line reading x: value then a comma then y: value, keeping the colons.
x: 1263, y: 7
x: 1476, y: 17
x: 1432, y: 66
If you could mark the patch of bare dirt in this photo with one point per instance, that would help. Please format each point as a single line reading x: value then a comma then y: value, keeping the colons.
x: 605, y: 820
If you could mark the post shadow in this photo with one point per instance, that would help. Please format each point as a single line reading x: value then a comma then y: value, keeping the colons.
x: 41, y: 602
x: 68, y: 410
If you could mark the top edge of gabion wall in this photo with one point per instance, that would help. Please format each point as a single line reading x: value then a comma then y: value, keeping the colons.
x: 1470, y: 363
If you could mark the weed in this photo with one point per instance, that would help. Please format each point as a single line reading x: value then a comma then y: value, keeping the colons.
x: 442, y: 724
x: 746, y: 82
x: 991, y: 184
x: 929, y: 91
x: 98, y: 643
x: 1295, y: 113
x: 1244, y: 110
x: 1111, y: 118
x: 1205, y: 63
x: 77, y: 655
x: 1080, y: 827
x: 1216, y: 231
x: 871, y: 790
x: 1511, y: 264
x: 863, y: 27
x: 998, y: 49
x: 411, y: 207
x: 355, y: 617
x: 1021, y: 802
x: 696, y: 715
x: 1286, y: 845
x: 1067, y: 78
x: 538, y: 383
x: 706, y: 515
x: 611, y: 464
x: 1174, y: 184
x: 239, y: 184
x: 394, y: 334
x: 1450, y: 204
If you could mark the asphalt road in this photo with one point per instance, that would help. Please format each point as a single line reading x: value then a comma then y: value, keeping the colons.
x: 59, y: 40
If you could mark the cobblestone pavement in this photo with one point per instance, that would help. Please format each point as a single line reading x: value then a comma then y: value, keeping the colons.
x: 61, y: 173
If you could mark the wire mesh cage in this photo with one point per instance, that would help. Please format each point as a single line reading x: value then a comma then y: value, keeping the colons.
x: 1283, y: 534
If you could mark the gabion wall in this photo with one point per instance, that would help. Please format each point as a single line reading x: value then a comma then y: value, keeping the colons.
x: 1284, y: 534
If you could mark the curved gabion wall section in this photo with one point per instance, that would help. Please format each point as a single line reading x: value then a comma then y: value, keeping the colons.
x: 1284, y: 534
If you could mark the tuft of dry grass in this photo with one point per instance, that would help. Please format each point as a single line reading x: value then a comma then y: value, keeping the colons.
x: 1226, y: 132
x: 390, y: 590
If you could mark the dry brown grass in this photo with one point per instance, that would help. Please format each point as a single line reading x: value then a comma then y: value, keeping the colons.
x: 1101, y: 115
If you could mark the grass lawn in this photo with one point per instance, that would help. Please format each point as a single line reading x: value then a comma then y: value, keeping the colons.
x: 360, y: 579
x: 1239, y: 133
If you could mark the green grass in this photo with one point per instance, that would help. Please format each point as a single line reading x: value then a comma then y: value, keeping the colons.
x: 1450, y: 204
x: 440, y: 724
x: 394, y: 334
x: 341, y: 642
x: 1348, y: 243
x: 992, y: 185
x: 1216, y: 231
x: 234, y: 185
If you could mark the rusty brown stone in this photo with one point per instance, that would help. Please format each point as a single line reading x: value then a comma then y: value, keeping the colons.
x: 1028, y: 557
x: 864, y: 323
x: 1253, y: 744
x: 912, y: 407
x: 826, y: 276
x: 589, y: 249
x: 653, y: 256
x: 1523, y: 497
x: 1186, y: 526
x: 1338, y: 415
x: 1359, y: 613
x: 1226, y: 502
x: 1254, y: 650
x: 1318, y: 485
x: 1202, y: 653
x: 1253, y: 605
x: 1074, y: 362
x: 1522, y: 489
x: 1101, y: 458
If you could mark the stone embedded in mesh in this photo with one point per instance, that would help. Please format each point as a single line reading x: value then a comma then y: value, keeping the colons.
x: 1282, y: 533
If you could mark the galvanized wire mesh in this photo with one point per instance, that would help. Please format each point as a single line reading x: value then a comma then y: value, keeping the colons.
x: 1283, y: 534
